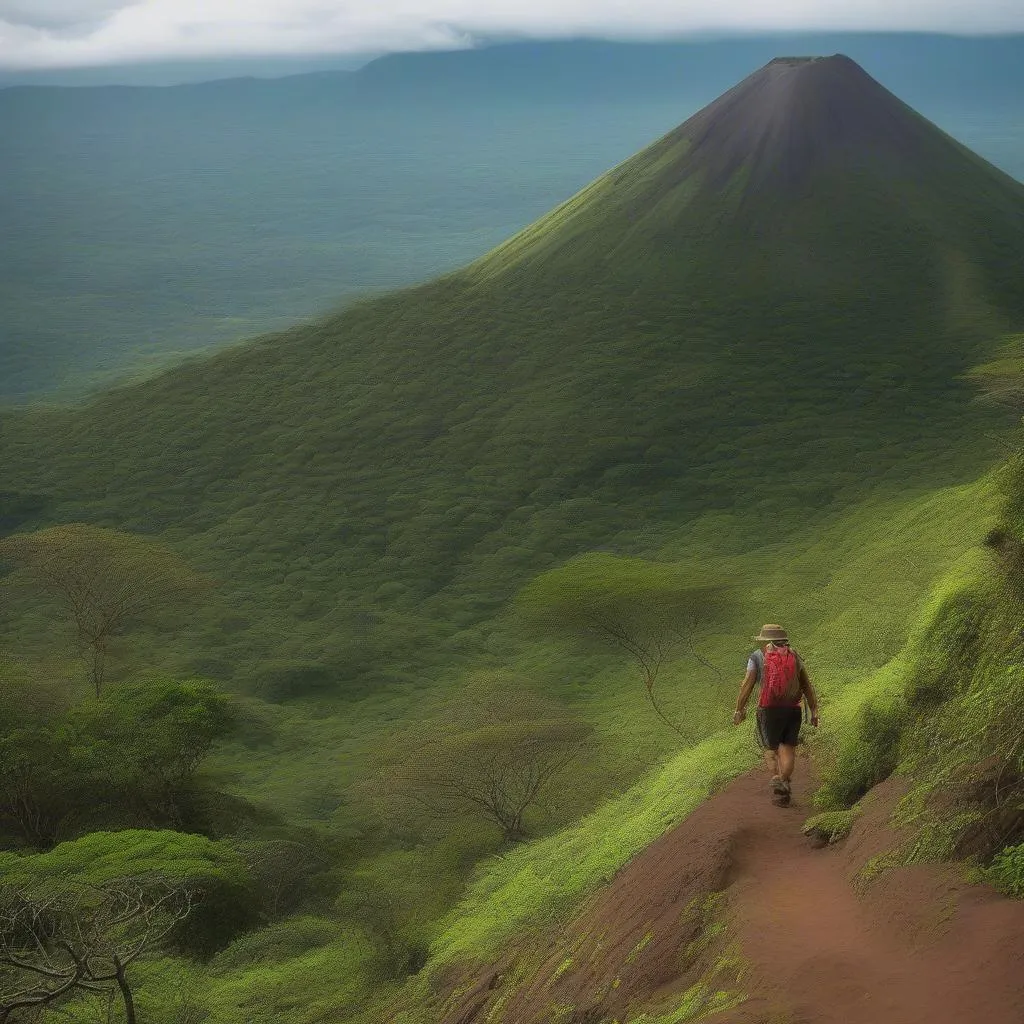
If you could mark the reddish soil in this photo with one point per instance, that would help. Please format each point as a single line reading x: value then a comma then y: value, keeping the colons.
x: 916, y: 945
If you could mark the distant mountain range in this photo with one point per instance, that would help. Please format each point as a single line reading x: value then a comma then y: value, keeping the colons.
x: 145, y: 223
x: 178, y: 72
x: 921, y: 62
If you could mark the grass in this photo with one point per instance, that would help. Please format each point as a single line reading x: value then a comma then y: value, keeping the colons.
x: 538, y: 885
x: 949, y: 704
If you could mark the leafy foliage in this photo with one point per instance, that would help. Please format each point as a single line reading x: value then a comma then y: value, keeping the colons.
x: 129, y: 758
x: 106, y: 581
x: 210, y: 869
x: 1007, y: 871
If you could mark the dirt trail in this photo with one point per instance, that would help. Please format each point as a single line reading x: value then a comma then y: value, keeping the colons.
x: 919, y: 945
x: 916, y: 946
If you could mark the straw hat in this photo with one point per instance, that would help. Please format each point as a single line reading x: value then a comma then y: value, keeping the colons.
x: 772, y: 633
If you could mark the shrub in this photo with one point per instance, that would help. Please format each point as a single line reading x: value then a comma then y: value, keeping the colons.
x: 281, y: 941
x: 126, y: 759
x: 1007, y: 872
x: 228, y: 902
x: 288, y: 870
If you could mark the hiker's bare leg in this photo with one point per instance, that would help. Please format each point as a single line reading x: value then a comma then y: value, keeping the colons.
x: 787, y: 758
x: 771, y: 762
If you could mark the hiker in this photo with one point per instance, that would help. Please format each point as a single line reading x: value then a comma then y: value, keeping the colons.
x: 784, y: 685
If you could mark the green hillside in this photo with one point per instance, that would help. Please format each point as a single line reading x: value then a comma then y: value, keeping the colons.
x: 660, y: 347
x: 747, y: 352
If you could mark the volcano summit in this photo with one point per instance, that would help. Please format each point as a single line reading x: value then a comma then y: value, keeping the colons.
x: 798, y: 116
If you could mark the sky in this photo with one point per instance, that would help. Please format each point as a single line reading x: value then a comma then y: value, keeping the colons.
x: 38, y: 34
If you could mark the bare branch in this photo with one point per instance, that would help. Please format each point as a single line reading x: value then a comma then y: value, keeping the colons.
x: 63, y: 938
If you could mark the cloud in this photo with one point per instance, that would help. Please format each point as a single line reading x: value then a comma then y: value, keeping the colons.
x: 68, y: 33
x: 58, y: 18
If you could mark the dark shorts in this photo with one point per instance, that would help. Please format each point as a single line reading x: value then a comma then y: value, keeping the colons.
x: 778, y: 725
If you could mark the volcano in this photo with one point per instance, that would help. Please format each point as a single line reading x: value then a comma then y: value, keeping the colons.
x: 766, y: 313
x: 809, y: 139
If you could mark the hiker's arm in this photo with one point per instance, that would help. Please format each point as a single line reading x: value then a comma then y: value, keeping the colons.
x: 741, y: 701
x: 808, y: 691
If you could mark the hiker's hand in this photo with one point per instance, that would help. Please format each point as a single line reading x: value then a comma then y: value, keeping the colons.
x: 738, y: 716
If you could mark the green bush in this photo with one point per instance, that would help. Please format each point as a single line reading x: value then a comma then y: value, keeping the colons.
x: 228, y: 901
x: 126, y: 759
x: 291, y: 869
x: 1007, y: 872
x: 867, y: 755
x: 278, y: 942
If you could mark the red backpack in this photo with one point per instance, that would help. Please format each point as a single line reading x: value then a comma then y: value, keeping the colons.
x: 780, y: 683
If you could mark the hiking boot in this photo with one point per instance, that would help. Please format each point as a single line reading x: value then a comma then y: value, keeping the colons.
x: 780, y: 791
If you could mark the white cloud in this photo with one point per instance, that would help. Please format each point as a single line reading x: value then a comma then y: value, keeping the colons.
x: 65, y: 33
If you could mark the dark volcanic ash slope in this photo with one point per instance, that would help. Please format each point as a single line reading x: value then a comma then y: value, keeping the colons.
x: 798, y: 115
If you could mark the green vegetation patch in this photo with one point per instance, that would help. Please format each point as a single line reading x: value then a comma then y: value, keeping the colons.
x: 226, y: 901
x: 536, y: 885
x: 1006, y: 872
x: 831, y: 826
x: 944, y: 715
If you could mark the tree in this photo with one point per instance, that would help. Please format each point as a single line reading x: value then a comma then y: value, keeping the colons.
x: 286, y: 870
x: 94, y: 861
x: 492, y: 759
x: 68, y: 939
x: 42, y: 789
x: 653, y: 612
x: 106, y: 580
x: 130, y: 756
x: 499, y: 771
x: 146, y: 740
